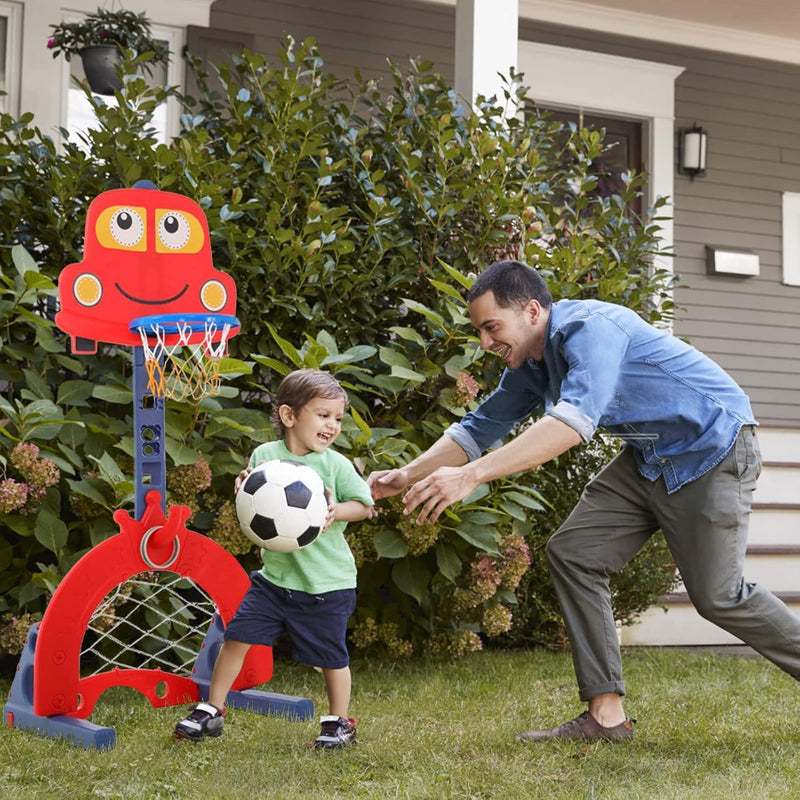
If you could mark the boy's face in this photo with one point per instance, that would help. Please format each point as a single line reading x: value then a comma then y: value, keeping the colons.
x: 315, y: 426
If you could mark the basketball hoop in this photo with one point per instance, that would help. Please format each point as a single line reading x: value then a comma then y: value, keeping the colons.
x: 182, y: 352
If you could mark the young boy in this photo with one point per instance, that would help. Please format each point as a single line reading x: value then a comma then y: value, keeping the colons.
x: 309, y: 593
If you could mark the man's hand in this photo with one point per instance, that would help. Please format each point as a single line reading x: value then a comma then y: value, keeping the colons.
x: 387, y: 483
x: 443, y: 487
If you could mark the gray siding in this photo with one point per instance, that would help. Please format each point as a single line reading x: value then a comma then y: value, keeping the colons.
x: 751, y: 109
x: 350, y: 33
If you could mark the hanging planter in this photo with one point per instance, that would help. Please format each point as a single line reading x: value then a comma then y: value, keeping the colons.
x: 99, y: 65
x: 102, y: 40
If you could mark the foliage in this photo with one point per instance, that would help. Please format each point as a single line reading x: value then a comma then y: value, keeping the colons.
x: 352, y: 223
x: 126, y: 29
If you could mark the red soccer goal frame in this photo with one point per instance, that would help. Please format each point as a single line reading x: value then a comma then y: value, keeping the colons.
x: 58, y: 687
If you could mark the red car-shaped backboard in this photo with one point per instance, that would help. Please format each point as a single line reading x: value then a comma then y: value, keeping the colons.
x: 146, y: 252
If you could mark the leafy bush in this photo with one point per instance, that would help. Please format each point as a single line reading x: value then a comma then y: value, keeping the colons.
x: 352, y: 223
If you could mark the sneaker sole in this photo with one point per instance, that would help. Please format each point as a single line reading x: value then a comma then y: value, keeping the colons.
x: 333, y: 745
x: 180, y: 736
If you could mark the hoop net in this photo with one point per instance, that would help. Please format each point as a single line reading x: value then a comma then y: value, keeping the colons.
x: 152, y: 621
x: 180, y: 370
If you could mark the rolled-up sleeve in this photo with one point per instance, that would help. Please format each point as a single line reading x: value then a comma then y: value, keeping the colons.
x: 459, y: 434
x: 572, y: 416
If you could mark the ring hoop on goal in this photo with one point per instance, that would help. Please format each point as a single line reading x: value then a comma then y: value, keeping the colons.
x: 182, y: 352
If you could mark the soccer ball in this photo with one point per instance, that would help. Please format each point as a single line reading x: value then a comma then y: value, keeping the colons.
x: 282, y: 505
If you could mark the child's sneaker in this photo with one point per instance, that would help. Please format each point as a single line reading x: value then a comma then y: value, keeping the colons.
x: 204, y: 720
x: 336, y: 732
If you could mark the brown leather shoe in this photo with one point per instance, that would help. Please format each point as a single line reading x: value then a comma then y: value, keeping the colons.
x: 583, y: 727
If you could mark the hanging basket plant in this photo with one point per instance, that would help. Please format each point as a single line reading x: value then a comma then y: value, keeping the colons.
x: 100, y: 67
x: 101, y: 40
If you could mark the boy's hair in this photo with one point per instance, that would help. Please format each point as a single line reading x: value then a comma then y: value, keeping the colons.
x: 300, y: 387
x: 513, y: 283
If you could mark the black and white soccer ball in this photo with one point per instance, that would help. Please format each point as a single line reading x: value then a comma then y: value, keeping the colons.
x: 282, y: 505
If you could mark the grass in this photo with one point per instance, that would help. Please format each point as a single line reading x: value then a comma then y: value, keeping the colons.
x: 709, y: 727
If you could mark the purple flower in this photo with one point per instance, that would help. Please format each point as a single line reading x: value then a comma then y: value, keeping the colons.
x: 466, y: 389
x: 51, y: 43
x: 13, y: 495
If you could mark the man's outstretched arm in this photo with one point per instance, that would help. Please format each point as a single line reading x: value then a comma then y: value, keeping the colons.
x: 547, y: 438
x: 442, y: 453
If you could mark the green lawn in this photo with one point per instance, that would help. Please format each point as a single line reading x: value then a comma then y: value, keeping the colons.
x: 709, y: 727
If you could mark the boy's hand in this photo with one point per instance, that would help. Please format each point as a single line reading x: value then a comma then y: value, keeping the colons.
x: 331, y: 515
x: 241, y: 478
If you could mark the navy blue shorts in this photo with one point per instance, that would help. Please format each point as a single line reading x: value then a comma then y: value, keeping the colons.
x: 316, y: 623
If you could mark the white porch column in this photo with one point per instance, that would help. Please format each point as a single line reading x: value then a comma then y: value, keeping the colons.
x: 486, y: 44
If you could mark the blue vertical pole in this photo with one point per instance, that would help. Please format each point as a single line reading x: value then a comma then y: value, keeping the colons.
x: 150, y: 465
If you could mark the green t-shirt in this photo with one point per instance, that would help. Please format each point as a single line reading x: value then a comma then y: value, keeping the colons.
x: 327, y: 563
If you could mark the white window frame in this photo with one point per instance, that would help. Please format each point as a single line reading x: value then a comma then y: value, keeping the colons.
x: 176, y: 39
x: 13, y: 15
x: 791, y: 238
x: 614, y: 86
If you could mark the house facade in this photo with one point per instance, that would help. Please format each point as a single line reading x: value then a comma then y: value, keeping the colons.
x: 728, y: 66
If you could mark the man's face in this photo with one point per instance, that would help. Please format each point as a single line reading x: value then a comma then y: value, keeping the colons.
x: 513, y: 333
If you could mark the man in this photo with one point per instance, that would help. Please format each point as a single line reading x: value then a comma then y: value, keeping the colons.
x: 689, y: 468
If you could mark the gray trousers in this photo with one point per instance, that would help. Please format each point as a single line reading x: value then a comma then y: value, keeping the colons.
x: 705, y: 525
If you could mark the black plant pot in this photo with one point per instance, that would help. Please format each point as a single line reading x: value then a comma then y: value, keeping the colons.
x: 99, y: 62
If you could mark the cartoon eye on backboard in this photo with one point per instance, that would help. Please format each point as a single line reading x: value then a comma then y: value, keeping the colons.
x: 122, y: 228
x: 178, y: 232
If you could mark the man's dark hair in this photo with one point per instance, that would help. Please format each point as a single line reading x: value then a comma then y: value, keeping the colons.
x: 513, y: 283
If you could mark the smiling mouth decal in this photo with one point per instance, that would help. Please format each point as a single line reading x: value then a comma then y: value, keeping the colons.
x: 151, y: 302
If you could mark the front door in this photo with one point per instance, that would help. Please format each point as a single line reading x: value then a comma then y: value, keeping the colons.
x: 625, y: 153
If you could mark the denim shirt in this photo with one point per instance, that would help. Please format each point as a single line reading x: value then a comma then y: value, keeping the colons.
x: 602, y: 365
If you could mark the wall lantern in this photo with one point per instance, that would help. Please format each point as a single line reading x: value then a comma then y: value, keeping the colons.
x: 732, y: 261
x: 692, y: 147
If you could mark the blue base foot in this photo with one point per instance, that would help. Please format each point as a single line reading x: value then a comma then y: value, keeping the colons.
x: 18, y: 711
x: 266, y: 703
x: 80, y: 732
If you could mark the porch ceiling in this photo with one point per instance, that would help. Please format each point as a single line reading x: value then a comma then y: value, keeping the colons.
x: 762, y: 30
x: 777, y: 18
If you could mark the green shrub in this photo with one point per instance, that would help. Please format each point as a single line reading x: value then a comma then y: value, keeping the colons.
x: 352, y: 223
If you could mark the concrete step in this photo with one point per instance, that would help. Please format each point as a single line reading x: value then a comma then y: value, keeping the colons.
x: 775, y: 525
x: 777, y: 568
x: 779, y: 445
x: 681, y: 625
x: 779, y: 483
